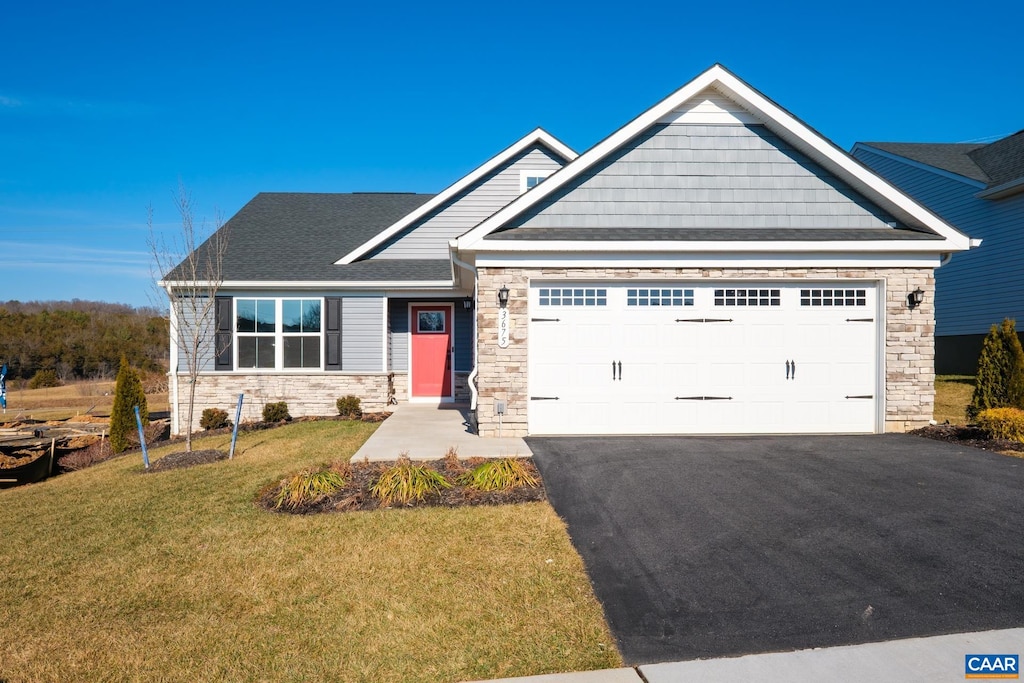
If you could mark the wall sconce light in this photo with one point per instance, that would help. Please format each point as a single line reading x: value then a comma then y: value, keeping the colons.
x: 467, y: 304
x: 503, y: 296
x: 915, y: 298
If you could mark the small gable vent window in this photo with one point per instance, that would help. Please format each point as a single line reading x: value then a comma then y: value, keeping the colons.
x: 278, y: 333
x: 747, y: 297
x: 529, y: 179
x: 833, y: 297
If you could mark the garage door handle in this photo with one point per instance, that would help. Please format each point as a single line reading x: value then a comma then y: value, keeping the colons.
x: 614, y: 375
x: 790, y: 369
x: 704, y: 397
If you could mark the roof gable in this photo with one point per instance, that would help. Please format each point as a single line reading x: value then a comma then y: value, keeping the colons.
x: 538, y: 137
x: 703, y: 97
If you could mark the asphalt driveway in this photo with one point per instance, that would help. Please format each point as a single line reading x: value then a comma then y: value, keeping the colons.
x: 714, y: 546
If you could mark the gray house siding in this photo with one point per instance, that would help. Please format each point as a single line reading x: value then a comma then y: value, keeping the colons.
x: 428, y: 239
x: 706, y: 176
x: 186, y: 332
x: 976, y: 288
x: 362, y: 334
x: 398, y: 336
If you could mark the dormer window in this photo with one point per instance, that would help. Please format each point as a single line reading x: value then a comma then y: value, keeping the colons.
x: 530, y: 179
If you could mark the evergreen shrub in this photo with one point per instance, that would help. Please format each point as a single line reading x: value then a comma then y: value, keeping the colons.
x: 214, y: 418
x: 350, y: 407
x: 1002, y: 423
x: 999, y: 381
x: 276, y: 412
x: 128, y: 393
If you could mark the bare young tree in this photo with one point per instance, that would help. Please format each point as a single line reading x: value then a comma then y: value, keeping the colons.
x: 188, y: 270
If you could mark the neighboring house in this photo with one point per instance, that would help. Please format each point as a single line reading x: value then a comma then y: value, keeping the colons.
x: 979, y: 188
x: 714, y: 266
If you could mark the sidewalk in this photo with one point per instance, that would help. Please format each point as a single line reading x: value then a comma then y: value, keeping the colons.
x: 426, y: 431
x: 937, y: 658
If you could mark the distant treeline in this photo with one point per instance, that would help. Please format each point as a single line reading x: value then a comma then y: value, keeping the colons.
x: 80, y: 339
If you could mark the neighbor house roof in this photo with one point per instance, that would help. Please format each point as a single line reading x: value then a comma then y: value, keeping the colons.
x: 995, y: 164
x: 296, y: 237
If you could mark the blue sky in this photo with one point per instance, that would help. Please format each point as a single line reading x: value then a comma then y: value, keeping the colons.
x: 105, y: 106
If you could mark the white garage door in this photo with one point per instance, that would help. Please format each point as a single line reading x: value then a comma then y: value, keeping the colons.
x: 702, y: 359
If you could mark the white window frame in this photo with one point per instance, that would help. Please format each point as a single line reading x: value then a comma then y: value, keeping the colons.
x: 278, y: 334
x: 526, y: 174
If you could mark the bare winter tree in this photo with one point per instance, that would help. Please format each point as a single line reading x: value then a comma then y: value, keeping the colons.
x: 188, y: 270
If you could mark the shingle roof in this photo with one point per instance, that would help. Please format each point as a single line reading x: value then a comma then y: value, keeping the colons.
x: 994, y: 163
x: 1003, y: 160
x: 292, y: 236
x: 952, y: 157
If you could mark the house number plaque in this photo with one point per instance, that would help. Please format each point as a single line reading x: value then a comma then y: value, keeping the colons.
x: 503, y: 328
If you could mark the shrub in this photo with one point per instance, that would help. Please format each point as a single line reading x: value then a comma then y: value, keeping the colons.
x: 404, y: 483
x: 1002, y: 423
x: 1000, y: 376
x: 276, y: 412
x: 507, y: 473
x: 127, y: 394
x: 349, y: 407
x: 214, y: 418
x: 309, y: 487
x: 43, y: 379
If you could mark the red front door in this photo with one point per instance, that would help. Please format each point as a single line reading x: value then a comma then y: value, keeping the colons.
x: 431, y: 372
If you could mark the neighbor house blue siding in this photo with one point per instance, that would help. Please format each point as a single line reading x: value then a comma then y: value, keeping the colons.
x: 978, y: 287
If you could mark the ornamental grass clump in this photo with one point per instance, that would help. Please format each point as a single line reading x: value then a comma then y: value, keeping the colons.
x: 404, y: 483
x: 309, y: 487
x: 494, y: 475
x: 1002, y: 423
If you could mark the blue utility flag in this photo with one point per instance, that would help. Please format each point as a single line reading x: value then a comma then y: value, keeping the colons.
x: 3, y: 387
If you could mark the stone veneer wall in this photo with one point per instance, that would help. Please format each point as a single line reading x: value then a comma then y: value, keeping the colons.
x: 400, y: 383
x: 305, y: 394
x: 909, y: 335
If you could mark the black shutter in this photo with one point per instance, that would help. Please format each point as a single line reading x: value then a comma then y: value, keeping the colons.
x: 223, y: 324
x: 332, y: 333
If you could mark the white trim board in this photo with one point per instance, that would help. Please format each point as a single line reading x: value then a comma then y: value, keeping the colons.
x: 709, y: 260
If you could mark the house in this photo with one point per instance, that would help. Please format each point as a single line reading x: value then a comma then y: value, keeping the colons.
x: 713, y: 266
x: 979, y: 188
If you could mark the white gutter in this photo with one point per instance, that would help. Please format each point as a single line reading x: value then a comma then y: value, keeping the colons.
x: 471, y: 380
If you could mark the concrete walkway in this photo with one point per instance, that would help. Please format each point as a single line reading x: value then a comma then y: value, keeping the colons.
x: 939, y: 658
x: 426, y: 432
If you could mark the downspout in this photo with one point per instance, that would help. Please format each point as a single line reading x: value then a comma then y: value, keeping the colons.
x: 471, y: 380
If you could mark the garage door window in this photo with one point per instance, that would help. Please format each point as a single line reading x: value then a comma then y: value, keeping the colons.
x: 833, y: 297
x: 659, y: 297
x: 747, y: 297
x: 573, y: 296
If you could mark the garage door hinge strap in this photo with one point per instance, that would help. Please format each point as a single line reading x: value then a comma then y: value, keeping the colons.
x: 545, y: 320
x: 860, y: 320
x: 543, y: 398
x: 862, y: 396
x: 703, y: 320
x: 703, y: 398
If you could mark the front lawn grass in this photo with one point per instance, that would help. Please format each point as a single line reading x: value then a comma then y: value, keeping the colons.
x: 111, y: 574
x: 952, y: 396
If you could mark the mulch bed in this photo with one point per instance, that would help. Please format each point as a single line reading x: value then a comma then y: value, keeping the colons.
x: 356, y: 494
x: 968, y: 436
x: 183, y: 459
